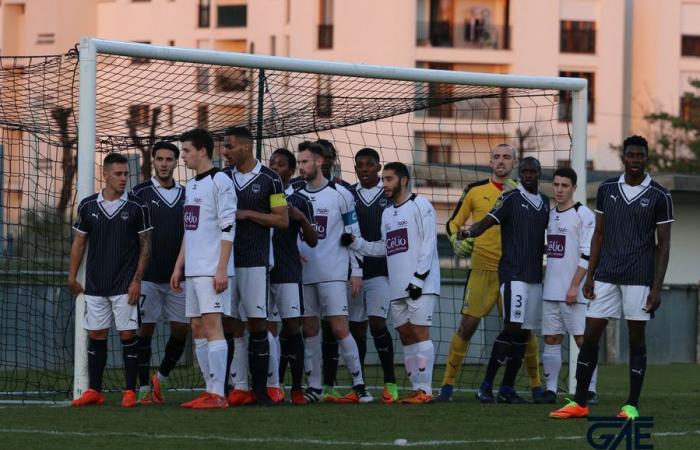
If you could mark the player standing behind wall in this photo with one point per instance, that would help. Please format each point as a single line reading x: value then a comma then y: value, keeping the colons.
x: 117, y: 227
x: 569, y: 234
x: 165, y: 200
x: 205, y: 256
x: 409, y: 241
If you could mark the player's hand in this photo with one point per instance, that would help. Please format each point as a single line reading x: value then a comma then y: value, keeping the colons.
x: 295, y: 214
x: 75, y: 287
x: 220, y: 281
x: 588, y: 289
x: 653, y: 301
x: 242, y: 214
x: 414, y: 291
x: 355, y: 286
x: 346, y: 239
x: 572, y: 295
x: 175, y: 280
x: 134, y: 291
x: 461, y: 247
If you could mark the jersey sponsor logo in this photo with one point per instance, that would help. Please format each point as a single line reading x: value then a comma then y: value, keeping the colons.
x: 124, y: 215
x: 191, y: 217
x: 556, y: 244
x: 644, y: 202
x: 396, y: 241
x: 320, y: 224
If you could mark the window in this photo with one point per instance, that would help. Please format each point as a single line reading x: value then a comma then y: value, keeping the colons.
x: 204, y: 14
x: 565, y: 163
x: 45, y: 38
x: 287, y: 11
x: 139, y: 115
x: 137, y: 60
x: 690, y: 45
x: 439, y: 154
x: 325, y: 27
x: 324, y: 97
x: 203, y: 79
x: 273, y: 45
x: 231, y: 79
x: 438, y: 91
x: 565, y: 96
x: 577, y: 37
x: 690, y: 109
x: 232, y: 16
x: 203, y: 116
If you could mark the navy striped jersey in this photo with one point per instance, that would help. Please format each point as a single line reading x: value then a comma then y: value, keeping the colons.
x: 165, y: 207
x: 298, y: 183
x: 258, y: 190
x: 113, y: 242
x: 369, y: 206
x: 630, y: 216
x: 287, y: 267
x: 523, y: 218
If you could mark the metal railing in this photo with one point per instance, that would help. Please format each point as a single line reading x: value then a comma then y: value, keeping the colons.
x: 470, y: 34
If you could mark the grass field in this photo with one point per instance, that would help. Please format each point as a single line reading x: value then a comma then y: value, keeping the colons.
x: 671, y: 395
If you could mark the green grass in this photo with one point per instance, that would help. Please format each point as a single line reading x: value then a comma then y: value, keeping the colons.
x: 671, y: 395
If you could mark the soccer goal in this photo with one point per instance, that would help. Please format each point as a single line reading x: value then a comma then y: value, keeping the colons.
x: 117, y: 96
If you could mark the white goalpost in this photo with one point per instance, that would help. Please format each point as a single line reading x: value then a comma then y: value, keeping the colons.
x: 90, y: 49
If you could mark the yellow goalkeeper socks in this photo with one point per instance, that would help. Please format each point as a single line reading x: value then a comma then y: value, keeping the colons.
x: 532, y: 361
x: 458, y: 348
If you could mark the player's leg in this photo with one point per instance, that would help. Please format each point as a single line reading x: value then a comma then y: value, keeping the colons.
x: 126, y: 321
x: 420, y: 313
x: 532, y: 365
x: 287, y: 298
x: 274, y: 391
x: 150, y: 309
x: 97, y: 320
x: 357, y: 316
x: 480, y: 294
x: 553, y: 329
x: 311, y: 327
x: 377, y: 304
x: 574, y: 318
x: 400, y: 316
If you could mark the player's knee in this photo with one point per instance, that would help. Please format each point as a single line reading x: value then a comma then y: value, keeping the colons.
x: 98, y: 335
x: 126, y: 334
x: 376, y: 324
x: 467, y: 325
x: 257, y: 325
x: 358, y: 329
x: 179, y: 330
x: 339, y: 328
x: 556, y: 340
x: 146, y: 330
x: 310, y: 329
x: 290, y: 327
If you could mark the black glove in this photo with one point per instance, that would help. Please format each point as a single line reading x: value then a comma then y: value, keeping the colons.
x: 414, y: 291
x: 346, y: 239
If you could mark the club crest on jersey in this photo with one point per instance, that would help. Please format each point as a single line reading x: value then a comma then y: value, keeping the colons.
x: 124, y: 215
x: 255, y: 188
x: 383, y: 202
x: 644, y: 202
x: 396, y: 241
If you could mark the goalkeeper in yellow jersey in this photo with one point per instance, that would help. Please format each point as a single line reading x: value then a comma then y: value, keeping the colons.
x: 482, y: 290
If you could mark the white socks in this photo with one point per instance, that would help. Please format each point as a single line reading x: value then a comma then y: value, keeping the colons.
x: 239, y: 364
x: 551, y: 365
x: 347, y: 349
x: 409, y: 360
x: 201, y: 349
x: 217, y: 365
x: 312, y: 361
x: 273, y: 371
x: 425, y: 358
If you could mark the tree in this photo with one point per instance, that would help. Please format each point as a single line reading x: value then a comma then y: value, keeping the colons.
x: 523, y: 137
x: 674, y: 140
x: 144, y: 147
x: 68, y: 162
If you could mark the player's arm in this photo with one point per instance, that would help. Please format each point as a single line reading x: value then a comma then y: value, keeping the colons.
x: 499, y: 214
x: 664, y: 218
x: 178, y: 270
x: 145, y: 232
x: 278, y: 217
x: 428, y: 233
x: 351, y: 227
x: 77, y: 251
x: 305, y: 219
x: 462, y: 212
x: 584, y: 244
x: 596, y: 243
x: 226, y: 215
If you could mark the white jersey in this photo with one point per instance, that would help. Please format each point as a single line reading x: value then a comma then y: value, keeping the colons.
x: 334, y: 214
x: 210, y: 209
x: 409, y: 241
x: 569, y: 236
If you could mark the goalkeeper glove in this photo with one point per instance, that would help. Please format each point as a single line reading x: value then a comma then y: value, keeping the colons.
x: 346, y: 239
x: 509, y: 185
x: 462, y: 247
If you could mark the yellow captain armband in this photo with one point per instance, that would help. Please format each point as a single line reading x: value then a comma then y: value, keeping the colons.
x: 277, y: 200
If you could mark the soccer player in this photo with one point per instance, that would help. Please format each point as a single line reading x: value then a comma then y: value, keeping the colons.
x: 372, y: 304
x: 482, y: 290
x: 261, y: 208
x: 286, y: 278
x: 164, y: 199
x: 409, y: 242
x: 117, y: 228
x: 325, y: 275
x: 629, y: 256
x: 523, y: 214
x: 569, y: 234
x: 205, y: 256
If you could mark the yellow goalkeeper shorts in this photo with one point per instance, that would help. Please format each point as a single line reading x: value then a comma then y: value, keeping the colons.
x: 481, y: 293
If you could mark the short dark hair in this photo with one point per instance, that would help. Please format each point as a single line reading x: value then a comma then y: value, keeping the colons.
x: 367, y: 153
x: 239, y: 132
x: 114, y: 158
x: 165, y: 145
x: 328, y: 146
x: 566, y: 172
x: 531, y: 160
x: 313, y: 147
x: 291, y: 160
x: 399, y: 168
x: 200, y: 138
x: 635, y: 140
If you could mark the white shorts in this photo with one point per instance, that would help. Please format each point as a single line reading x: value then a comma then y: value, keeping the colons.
x: 611, y: 299
x: 249, y: 293
x: 560, y: 318
x: 285, y: 299
x: 158, y: 301
x: 326, y: 299
x: 522, y: 303
x: 417, y: 312
x: 372, y: 301
x: 201, y: 297
x: 99, y: 312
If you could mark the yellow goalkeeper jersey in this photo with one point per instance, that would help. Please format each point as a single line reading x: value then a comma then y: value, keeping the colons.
x: 477, y: 200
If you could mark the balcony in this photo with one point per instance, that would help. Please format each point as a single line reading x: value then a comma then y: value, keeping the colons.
x: 471, y: 34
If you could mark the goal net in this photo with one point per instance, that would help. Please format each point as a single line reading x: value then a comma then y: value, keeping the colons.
x: 442, y: 124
